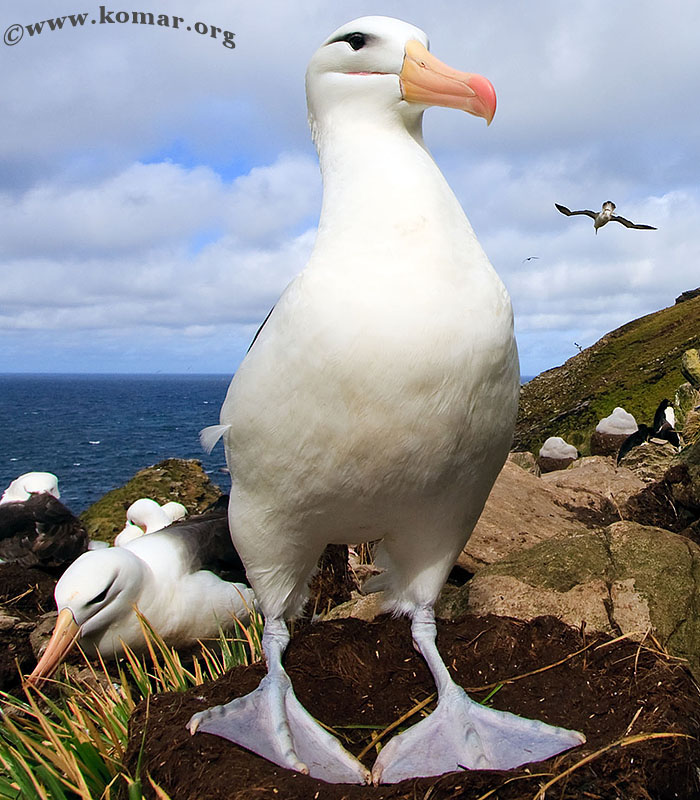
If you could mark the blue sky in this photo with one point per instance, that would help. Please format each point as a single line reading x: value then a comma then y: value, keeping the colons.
x: 158, y: 189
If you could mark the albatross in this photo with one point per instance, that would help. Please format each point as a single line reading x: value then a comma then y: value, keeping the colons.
x: 184, y: 579
x: 36, y: 529
x: 604, y: 216
x: 377, y: 402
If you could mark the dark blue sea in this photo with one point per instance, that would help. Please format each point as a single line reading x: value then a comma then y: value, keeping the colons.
x: 95, y: 431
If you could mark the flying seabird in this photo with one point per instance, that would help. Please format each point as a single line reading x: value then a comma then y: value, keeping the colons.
x: 377, y: 402
x: 604, y: 216
x: 36, y: 529
x: 187, y: 580
x: 663, y: 427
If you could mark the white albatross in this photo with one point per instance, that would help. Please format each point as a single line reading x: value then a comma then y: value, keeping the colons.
x: 147, y: 516
x: 167, y: 575
x: 31, y: 483
x: 377, y: 402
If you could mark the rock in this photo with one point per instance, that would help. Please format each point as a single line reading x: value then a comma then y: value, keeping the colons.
x: 690, y: 367
x: 361, y: 606
x: 8, y: 622
x: 650, y: 460
x: 526, y: 461
x: 690, y: 294
x: 182, y: 480
x: 691, y: 427
x: 625, y: 579
x: 595, y: 489
x: 523, y: 510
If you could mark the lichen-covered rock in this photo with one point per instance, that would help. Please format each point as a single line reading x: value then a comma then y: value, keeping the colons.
x: 625, y: 579
x: 523, y: 510
x: 182, y: 480
x: 690, y: 367
x: 526, y: 461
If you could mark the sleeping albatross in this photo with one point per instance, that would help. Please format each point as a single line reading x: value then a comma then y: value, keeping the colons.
x: 36, y: 529
x: 603, y: 216
x: 377, y: 402
x: 167, y: 575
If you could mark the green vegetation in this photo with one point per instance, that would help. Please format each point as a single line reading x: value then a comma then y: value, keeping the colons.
x: 73, y: 747
x: 635, y: 366
x: 182, y: 480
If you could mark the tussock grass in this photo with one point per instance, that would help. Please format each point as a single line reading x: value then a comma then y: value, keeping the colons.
x: 72, y: 746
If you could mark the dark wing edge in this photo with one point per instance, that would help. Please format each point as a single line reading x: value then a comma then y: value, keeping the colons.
x: 569, y: 213
x: 629, y: 224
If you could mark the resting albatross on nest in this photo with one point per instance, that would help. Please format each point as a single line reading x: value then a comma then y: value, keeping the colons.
x: 377, y: 402
x: 167, y: 575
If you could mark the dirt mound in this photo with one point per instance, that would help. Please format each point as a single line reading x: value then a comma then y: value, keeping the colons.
x: 25, y: 594
x: 349, y: 672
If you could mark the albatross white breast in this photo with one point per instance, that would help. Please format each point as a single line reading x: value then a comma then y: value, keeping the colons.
x: 377, y: 402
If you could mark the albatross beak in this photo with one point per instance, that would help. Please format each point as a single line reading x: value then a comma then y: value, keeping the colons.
x: 64, y: 636
x: 425, y: 79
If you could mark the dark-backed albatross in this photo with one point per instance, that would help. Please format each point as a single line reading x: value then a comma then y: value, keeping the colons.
x: 184, y: 579
x: 377, y: 402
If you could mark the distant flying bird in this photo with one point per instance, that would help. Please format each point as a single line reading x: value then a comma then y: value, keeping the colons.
x: 603, y: 217
x: 530, y: 258
x: 662, y: 428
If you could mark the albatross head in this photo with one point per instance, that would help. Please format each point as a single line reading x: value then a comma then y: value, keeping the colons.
x: 96, y: 593
x: 381, y: 63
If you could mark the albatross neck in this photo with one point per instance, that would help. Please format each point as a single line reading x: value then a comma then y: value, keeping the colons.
x: 380, y: 180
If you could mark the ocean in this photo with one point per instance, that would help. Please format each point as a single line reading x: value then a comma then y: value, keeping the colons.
x: 96, y: 431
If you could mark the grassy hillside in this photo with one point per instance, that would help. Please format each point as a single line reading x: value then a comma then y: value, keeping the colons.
x: 635, y: 367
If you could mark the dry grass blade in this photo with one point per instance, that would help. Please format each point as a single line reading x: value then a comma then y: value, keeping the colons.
x: 492, y: 792
x: 395, y: 724
x: 514, y: 678
x: 624, y: 742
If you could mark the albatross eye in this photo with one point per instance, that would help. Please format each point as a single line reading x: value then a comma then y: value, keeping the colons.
x: 98, y: 598
x: 356, y: 40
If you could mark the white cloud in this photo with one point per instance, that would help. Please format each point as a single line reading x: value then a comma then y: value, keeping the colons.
x: 156, y: 187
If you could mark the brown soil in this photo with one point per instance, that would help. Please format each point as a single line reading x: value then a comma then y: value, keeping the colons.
x: 25, y: 594
x: 350, y: 671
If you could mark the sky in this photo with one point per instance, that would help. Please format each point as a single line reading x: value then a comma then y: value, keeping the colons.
x: 159, y: 188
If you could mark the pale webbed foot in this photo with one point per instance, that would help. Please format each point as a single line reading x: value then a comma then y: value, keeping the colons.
x: 462, y: 734
x: 271, y: 722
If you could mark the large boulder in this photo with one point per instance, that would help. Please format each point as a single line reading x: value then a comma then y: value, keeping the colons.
x: 182, y: 480
x: 690, y: 367
x: 523, y: 509
x: 625, y: 579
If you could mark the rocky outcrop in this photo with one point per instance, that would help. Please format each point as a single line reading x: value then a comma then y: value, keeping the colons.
x: 524, y: 510
x: 182, y: 480
x: 690, y: 367
x: 625, y: 579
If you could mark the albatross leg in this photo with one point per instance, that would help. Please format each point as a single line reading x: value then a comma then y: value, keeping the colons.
x: 271, y: 722
x: 460, y: 733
